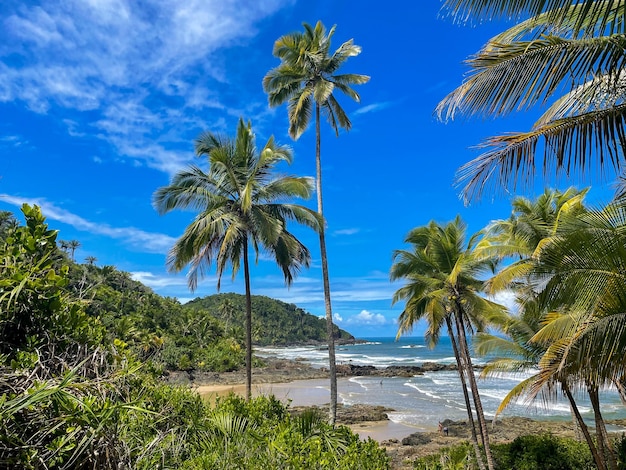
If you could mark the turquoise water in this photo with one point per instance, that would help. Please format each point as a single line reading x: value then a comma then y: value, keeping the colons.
x: 424, y: 400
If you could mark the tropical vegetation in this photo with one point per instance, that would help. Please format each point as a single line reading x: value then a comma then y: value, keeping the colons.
x: 74, y: 396
x: 306, y: 79
x: 569, y: 54
x: 442, y: 273
x: 241, y: 205
x: 276, y: 323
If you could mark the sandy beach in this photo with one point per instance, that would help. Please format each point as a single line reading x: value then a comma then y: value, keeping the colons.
x: 402, y: 442
x: 299, y: 385
x: 313, y: 392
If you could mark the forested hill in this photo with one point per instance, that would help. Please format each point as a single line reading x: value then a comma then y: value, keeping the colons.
x: 273, y: 322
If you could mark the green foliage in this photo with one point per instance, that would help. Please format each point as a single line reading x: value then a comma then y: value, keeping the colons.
x: 74, y: 395
x: 274, y: 322
x: 459, y: 457
x: 543, y: 451
x: 37, y: 315
x: 620, y: 451
x: 261, y: 434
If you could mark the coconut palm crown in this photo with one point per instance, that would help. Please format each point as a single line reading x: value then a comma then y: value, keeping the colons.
x: 307, y: 77
x: 239, y: 204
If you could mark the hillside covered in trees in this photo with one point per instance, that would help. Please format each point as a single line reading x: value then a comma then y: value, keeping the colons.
x: 275, y: 322
x: 205, y: 334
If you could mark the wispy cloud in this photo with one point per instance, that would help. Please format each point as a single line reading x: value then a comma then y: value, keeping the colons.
x: 12, y: 141
x: 371, y: 108
x: 308, y: 291
x: 346, y: 231
x: 138, y: 239
x: 117, y: 58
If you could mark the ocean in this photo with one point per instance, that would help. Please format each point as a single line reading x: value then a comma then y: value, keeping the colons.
x: 422, y: 401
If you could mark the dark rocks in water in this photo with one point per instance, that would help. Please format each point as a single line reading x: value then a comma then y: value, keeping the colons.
x: 401, y: 371
x: 354, y: 370
x: 436, y: 367
x: 393, y: 371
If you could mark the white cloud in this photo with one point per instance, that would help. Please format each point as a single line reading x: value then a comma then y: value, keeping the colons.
x: 157, y: 281
x: 307, y: 290
x: 370, y: 108
x: 117, y: 58
x: 337, y: 318
x: 138, y: 239
x: 346, y: 231
x: 367, y: 318
x: 506, y: 298
x: 12, y: 141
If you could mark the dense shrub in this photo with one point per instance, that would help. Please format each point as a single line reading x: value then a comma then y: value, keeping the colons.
x: 544, y: 451
x: 459, y: 457
x: 533, y: 452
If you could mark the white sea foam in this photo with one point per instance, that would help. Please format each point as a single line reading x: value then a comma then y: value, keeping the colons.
x: 424, y: 399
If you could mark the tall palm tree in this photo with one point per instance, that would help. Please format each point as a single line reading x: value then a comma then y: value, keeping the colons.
x: 442, y: 272
x: 72, y: 246
x: 239, y: 208
x: 306, y: 79
x: 568, y: 53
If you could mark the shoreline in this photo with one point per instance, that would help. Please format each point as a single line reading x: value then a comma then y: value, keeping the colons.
x: 402, y: 442
x: 300, y: 386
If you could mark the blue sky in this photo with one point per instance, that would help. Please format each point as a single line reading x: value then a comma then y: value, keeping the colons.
x: 101, y: 101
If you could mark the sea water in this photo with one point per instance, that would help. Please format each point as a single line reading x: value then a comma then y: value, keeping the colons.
x: 424, y: 400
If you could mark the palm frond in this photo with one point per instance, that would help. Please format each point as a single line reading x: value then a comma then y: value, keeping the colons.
x: 300, y: 110
x: 569, y: 144
x: 602, y: 14
x: 518, y: 75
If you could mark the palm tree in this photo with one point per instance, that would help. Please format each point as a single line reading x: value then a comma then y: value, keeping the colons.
x: 565, y: 46
x: 64, y: 245
x: 306, y: 79
x: 238, y: 200
x: 529, y: 227
x: 91, y: 260
x: 443, y: 286
x: 72, y: 246
x: 227, y: 313
x: 582, y: 270
x: 8, y: 222
x: 575, y: 281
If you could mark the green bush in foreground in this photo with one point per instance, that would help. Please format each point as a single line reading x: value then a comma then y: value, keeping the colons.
x: 533, y: 452
x: 544, y: 451
x: 261, y: 434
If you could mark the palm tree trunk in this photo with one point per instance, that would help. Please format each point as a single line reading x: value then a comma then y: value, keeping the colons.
x: 472, y: 380
x: 330, y: 330
x: 583, y: 427
x: 246, y: 274
x: 601, y: 434
x: 468, y: 404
